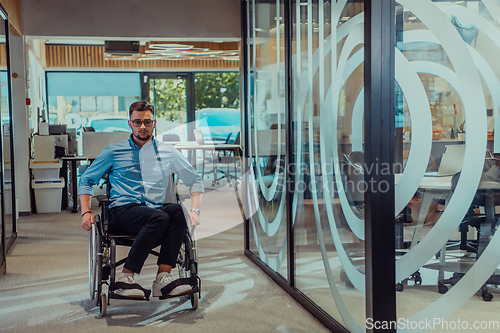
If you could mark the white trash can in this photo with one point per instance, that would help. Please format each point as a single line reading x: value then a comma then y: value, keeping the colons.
x: 48, y: 195
x: 45, y: 169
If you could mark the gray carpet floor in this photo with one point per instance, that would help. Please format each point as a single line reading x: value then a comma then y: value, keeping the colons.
x: 46, y: 285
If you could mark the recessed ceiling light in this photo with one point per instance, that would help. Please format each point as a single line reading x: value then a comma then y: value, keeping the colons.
x: 155, y: 58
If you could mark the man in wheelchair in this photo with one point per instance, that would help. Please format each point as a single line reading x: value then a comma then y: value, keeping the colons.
x: 138, y: 170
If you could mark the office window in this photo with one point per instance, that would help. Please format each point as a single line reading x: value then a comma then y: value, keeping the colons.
x: 77, y: 98
x: 217, y: 105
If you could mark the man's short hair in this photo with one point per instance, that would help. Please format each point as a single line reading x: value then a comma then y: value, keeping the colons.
x: 141, y: 106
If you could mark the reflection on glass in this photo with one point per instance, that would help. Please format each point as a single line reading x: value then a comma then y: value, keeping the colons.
x: 448, y: 75
x: 267, y: 146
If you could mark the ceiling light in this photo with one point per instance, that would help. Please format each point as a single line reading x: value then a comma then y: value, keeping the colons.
x: 201, y: 53
x: 155, y: 58
x: 170, y: 46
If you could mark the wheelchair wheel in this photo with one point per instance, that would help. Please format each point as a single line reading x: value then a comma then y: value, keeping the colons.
x: 194, y: 300
x: 92, y: 261
x: 103, y: 305
x: 95, y: 261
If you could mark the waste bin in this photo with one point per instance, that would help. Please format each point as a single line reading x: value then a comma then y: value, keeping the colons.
x: 46, y: 169
x: 48, y: 194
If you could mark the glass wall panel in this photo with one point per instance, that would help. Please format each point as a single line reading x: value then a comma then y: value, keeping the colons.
x: 448, y: 73
x: 266, y: 134
x: 6, y: 123
x: 328, y: 201
x: 4, y: 229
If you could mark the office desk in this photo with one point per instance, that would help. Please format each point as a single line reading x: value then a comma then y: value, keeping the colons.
x: 432, y: 187
x: 74, y: 180
x: 189, y: 145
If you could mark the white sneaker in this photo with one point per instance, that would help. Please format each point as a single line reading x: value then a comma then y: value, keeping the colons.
x: 133, y: 289
x: 164, y: 279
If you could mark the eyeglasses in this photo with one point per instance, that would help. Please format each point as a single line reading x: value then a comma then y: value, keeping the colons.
x: 138, y: 123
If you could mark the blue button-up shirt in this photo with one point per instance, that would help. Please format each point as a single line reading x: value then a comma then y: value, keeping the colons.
x: 139, y: 174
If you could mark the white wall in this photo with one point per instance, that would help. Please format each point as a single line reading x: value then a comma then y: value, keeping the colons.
x: 133, y: 18
x: 20, y: 122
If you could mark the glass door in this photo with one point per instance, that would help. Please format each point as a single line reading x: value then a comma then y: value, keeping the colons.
x: 170, y: 93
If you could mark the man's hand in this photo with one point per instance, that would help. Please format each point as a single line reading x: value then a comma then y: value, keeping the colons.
x: 88, y: 220
x: 195, y: 219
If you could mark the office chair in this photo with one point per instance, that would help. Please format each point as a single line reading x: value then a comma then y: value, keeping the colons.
x: 486, y: 224
x: 225, y: 157
x: 353, y: 174
x: 171, y: 138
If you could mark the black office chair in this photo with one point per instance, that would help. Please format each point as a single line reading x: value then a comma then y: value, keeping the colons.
x: 225, y: 157
x: 353, y: 175
x: 228, y: 157
x: 102, y: 256
x: 486, y: 225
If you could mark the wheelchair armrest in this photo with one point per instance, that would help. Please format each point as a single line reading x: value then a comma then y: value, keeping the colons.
x: 102, y: 199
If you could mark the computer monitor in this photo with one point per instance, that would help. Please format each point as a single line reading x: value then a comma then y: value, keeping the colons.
x: 56, y: 129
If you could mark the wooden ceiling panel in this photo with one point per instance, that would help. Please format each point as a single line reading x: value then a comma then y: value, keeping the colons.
x: 196, y: 55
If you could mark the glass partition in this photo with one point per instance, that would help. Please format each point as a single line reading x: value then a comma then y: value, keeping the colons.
x: 328, y: 157
x: 445, y: 159
x: 266, y: 135
x: 448, y: 73
x: 6, y: 123
x: 4, y: 227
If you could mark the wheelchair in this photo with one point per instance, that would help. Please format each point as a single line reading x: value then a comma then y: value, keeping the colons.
x: 103, y: 264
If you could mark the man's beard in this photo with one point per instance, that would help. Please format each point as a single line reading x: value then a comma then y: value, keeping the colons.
x: 143, y: 139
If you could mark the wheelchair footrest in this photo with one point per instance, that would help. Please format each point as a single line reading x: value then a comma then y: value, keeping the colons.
x: 115, y: 296
x: 192, y: 281
x: 122, y: 285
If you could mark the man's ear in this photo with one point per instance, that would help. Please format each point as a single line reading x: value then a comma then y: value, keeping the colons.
x: 130, y: 124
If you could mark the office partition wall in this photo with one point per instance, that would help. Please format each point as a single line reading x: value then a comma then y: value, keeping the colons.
x: 370, y: 145
x: 8, y: 209
x: 448, y: 72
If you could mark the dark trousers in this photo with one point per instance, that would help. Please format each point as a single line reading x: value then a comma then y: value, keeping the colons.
x: 165, y: 225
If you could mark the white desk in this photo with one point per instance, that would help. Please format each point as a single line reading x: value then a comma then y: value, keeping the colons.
x: 433, y: 187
